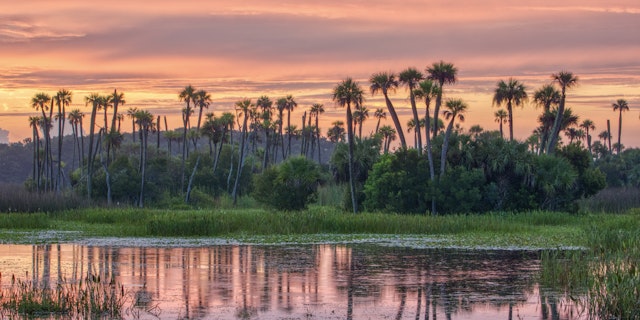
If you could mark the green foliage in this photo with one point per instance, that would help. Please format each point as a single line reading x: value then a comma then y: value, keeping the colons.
x: 398, y: 183
x: 459, y: 190
x: 365, y: 153
x: 24, y: 221
x: 621, y: 170
x: 288, y: 186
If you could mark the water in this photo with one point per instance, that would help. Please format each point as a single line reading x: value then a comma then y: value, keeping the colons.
x: 326, y: 281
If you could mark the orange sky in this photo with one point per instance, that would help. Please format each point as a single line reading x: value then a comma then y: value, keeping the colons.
x: 250, y: 48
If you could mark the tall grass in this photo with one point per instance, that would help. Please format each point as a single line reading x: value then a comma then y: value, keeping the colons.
x: 607, y: 275
x: 15, y: 198
x: 612, y: 200
x: 90, y: 298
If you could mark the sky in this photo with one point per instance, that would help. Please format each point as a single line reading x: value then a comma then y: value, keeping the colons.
x: 246, y: 49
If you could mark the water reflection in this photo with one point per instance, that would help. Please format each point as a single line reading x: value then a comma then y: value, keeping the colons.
x: 298, y: 281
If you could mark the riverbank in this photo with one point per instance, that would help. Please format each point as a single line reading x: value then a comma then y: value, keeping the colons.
x: 531, y: 230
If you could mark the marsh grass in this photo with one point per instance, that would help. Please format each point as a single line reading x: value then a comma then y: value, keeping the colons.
x: 90, y: 298
x: 24, y: 221
x: 15, y: 198
x: 606, y: 275
x: 612, y: 200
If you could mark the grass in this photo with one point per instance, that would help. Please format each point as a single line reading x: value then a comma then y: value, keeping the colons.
x: 607, y: 274
x: 536, y: 229
x: 90, y: 298
x: 15, y: 198
x: 612, y: 200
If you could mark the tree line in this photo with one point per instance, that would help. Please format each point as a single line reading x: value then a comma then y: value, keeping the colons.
x: 263, y: 139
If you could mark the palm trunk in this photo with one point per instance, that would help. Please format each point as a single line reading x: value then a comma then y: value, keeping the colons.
x: 436, y: 110
x: 445, y: 146
x: 556, y: 125
x: 619, y: 131
x: 510, y: 110
x: 90, y: 156
x: 318, y: 139
x: 432, y: 171
x: 352, y: 183
x: 234, y: 194
x: 394, y: 117
x: 193, y: 174
x: 417, y: 120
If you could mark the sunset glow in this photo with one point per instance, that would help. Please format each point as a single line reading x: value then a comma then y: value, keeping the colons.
x: 263, y: 47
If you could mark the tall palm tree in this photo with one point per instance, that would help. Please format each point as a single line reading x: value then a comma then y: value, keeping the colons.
x: 501, y: 118
x: 428, y: 90
x: 187, y: 95
x: 346, y: 93
x: 289, y: 106
x: 244, y: 107
x: 605, y: 136
x: 281, y: 105
x: 336, y: 132
x: 202, y: 99
x: 63, y: 100
x: 105, y: 104
x: 565, y: 80
x: 113, y: 136
x: 621, y: 105
x: 266, y: 105
x: 388, y: 135
x: 511, y: 93
x: 316, y: 110
x: 546, y: 97
x: 144, y: 119
x: 385, y: 82
x: 75, y: 118
x: 410, y: 77
x: 95, y: 100
x: 360, y: 115
x: 443, y: 73
x: 41, y: 102
x: 588, y: 125
x: 379, y: 114
x: 131, y: 113
x: 455, y: 108
x: 34, y: 121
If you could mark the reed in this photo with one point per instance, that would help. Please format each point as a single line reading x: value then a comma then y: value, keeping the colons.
x: 612, y: 200
x: 89, y: 298
x: 15, y: 198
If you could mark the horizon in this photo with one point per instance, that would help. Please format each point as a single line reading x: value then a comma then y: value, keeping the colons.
x: 265, y: 48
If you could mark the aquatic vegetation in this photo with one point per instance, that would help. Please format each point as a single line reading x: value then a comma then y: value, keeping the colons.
x: 87, y: 298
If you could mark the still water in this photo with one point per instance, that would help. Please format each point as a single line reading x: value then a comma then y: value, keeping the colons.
x: 322, y: 281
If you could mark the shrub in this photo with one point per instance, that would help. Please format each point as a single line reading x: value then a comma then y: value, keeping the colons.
x: 289, y: 186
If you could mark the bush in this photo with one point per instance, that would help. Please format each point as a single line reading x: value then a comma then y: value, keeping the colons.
x: 289, y: 186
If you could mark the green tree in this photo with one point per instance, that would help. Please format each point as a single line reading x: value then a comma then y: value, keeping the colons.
x: 63, y: 100
x: 443, y: 73
x: 410, y: 77
x: 316, y: 110
x: 95, y: 100
x: 501, y: 118
x: 244, y: 107
x: 546, y: 97
x: 266, y: 105
x: 385, y: 82
x: 379, y: 114
x: 388, y: 134
x: 291, y: 185
x: 188, y: 96
x: 144, y: 120
x: 336, y: 132
x: 41, y: 102
x: 346, y: 93
x: 565, y: 80
x: 621, y: 105
x: 512, y: 93
x: 455, y: 108
x: 588, y: 125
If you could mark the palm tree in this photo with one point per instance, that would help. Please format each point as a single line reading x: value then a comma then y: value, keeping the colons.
x: 336, y: 132
x: 360, y: 115
x: 316, y: 110
x: 131, y: 113
x: 605, y: 136
x: 443, y: 73
x: 202, y: 99
x: 144, y: 119
x: 428, y: 90
x: 512, y: 94
x: 188, y: 96
x: 244, y: 107
x: 113, y: 136
x: 385, y: 82
x: 266, y: 105
x: 63, y: 100
x: 95, y: 100
x: 105, y: 104
x: 289, y: 106
x: 588, y: 125
x: 41, y: 102
x: 34, y: 121
x: 388, y: 135
x: 621, y: 105
x: 547, y: 96
x: 410, y: 77
x: 117, y: 99
x: 501, y: 118
x: 75, y: 119
x: 455, y: 108
x: 379, y: 114
x: 565, y: 80
x: 344, y: 94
